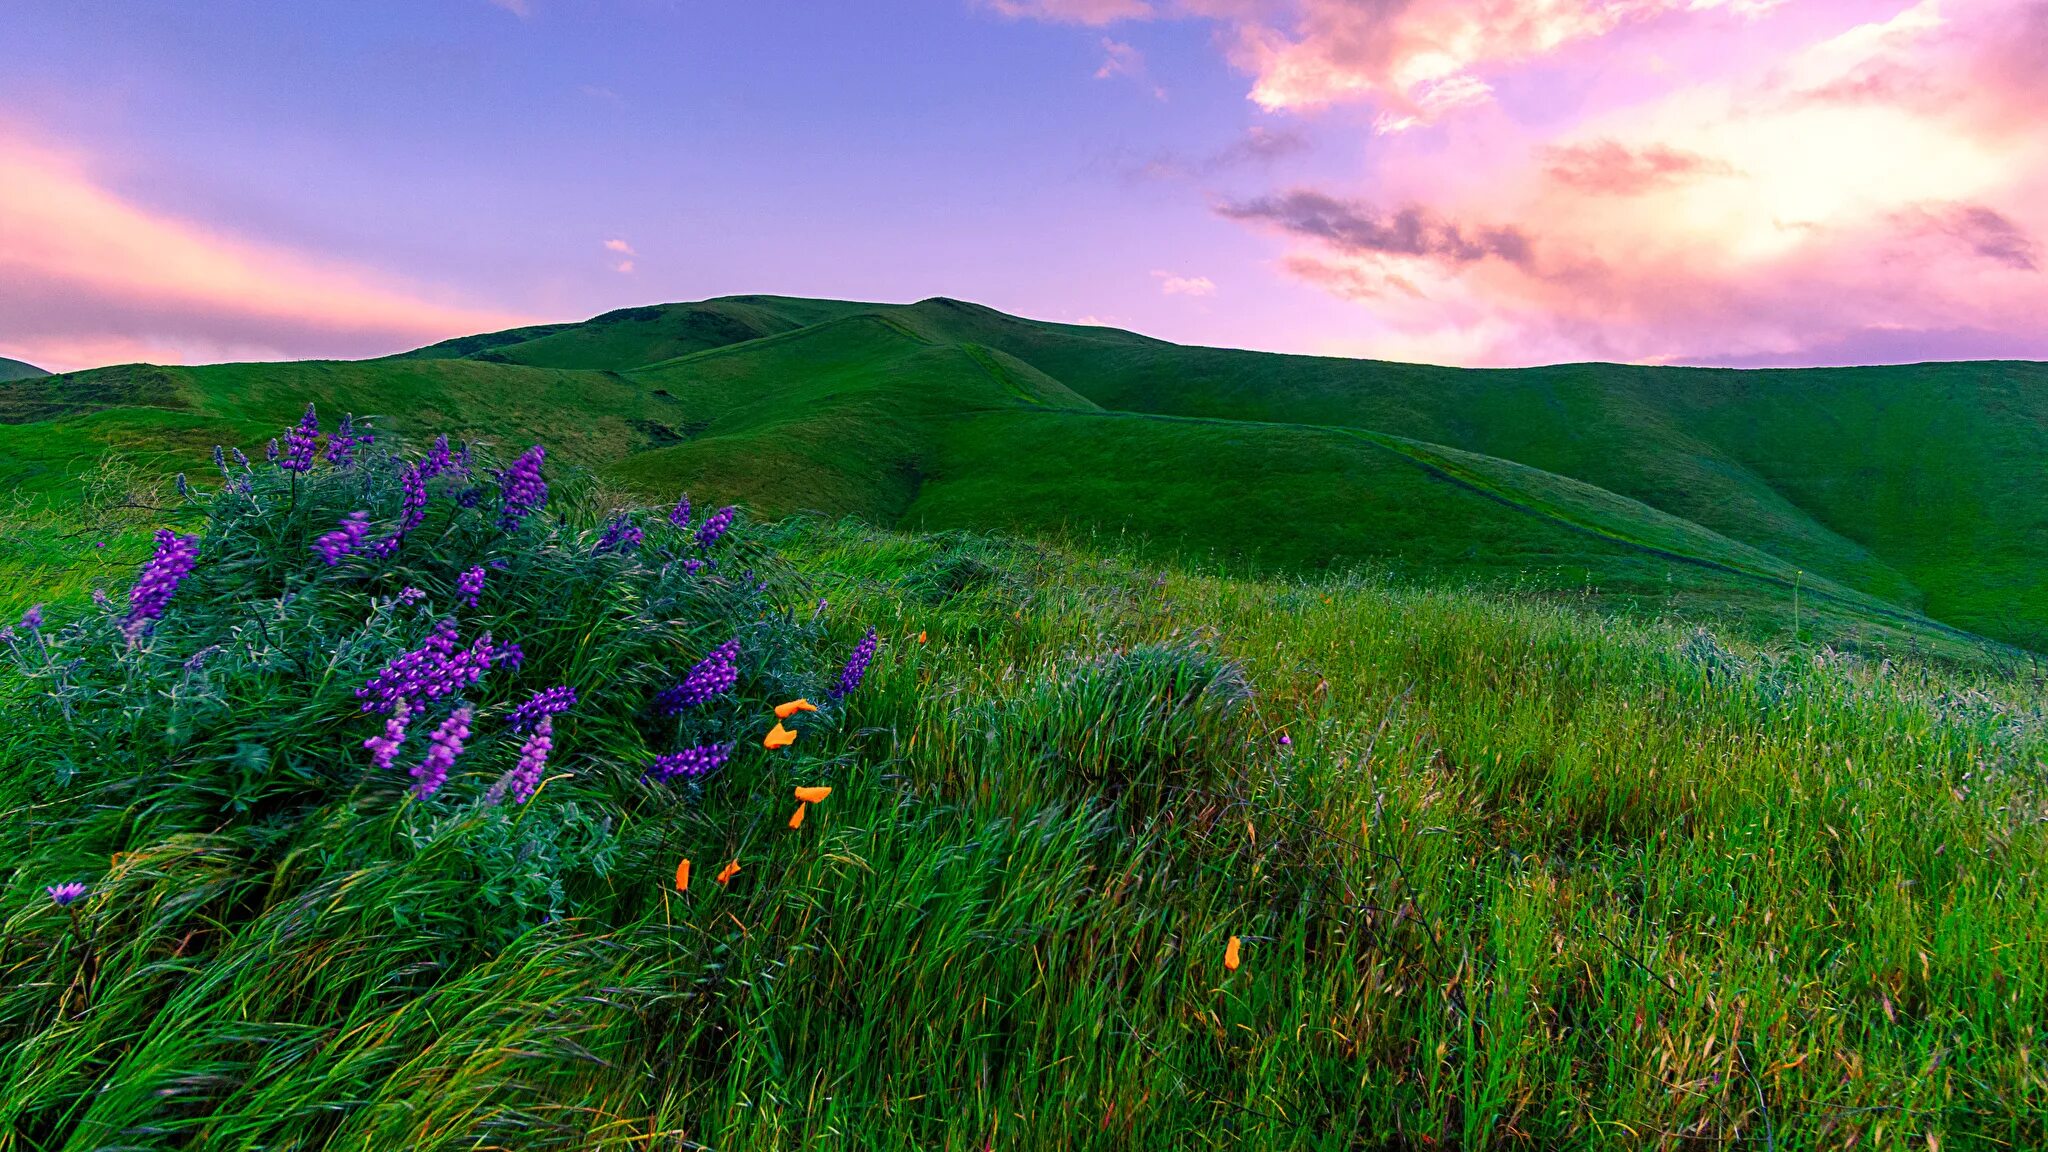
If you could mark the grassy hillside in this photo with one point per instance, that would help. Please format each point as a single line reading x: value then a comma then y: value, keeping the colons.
x: 1890, y: 502
x: 16, y: 370
x: 1117, y: 855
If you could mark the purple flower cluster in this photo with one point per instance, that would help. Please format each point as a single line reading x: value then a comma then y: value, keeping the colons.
x: 300, y: 443
x: 689, y: 763
x: 345, y: 540
x: 714, y: 526
x: 64, y: 895
x: 524, y: 779
x: 241, y: 459
x: 714, y: 674
x: 510, y: 654
x: 384, y: 749
x: 33, y: 618
x: 540, y: 706
x: 410, y: 595
x: 621, y: 535
x: 432, y: 772
x: 521, y: 489
x: 173, y: 560
x: 270, y: 453
x: 856, y: 666
x: 680, y: 514
x: 432, y: 670
x: 341, y: 445
x: 437, y: 459
x: 471, y: 585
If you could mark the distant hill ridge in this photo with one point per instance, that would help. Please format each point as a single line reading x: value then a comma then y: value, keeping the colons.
x: 1908, y: 496
x: 16, y: 370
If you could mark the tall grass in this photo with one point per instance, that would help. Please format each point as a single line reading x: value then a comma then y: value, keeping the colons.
x: 1519, y: 877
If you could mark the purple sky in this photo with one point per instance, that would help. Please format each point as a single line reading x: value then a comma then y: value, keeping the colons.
x: 1511, y: 181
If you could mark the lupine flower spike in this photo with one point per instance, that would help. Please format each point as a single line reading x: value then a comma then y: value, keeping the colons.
x: 540, y: 706
x: 731, y: 870
x: 384, y: 749
x: 524, y: 779
x: 63, y: 895
x: 432, y: 772
x: 1230, y: 955
x: 856, y: 666
x: 471, y: 585
x: 778, y: 737
x: 345, y: 540
x: 680, y: 514
x: 797, y: 821
x: 521, y: 490
x: 300, y: 443
x: 785, y: 711
x: 812, y: 795
x: 621, y: 535
x: 33, y: 618
x: 690, y: 762
x: 712, y: 676
x: 173, y: 561
x: 715, y: 526
x: 683, y: 876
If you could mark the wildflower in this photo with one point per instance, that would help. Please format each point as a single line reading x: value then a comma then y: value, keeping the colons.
x: 63, y: 895
x: 713, y: 675
x: 680, y: 514
x: 184, y: 489
x: 856, y: 666
x: 689, y: 763
x: 33, y: 618
x: 384, y: 749
x: 1230, y: 955
x: 621, y: 535
x: 197, y: 660
x: 471, y: 585
x: 469, y: 497
x: 524, y: 780
x: 220, y: 461
x: 683, y: 875
x: 271, y: 452
x: 300, y: 443
x: 99, y: 597
x: 173, y: 560
x: 691, y: 566
x: 731, y: 870
x: 341, y: 445
x: 409, y: 595
x: 540, y: 706
x: 244, y: 460
x: 510, y: 655
x: 432, y: 772
x: 433, y: 670
x: 785, y: 711
x: 412, y: 509
x: 345, y: 540
x: 812, y: 795
x: 714, y: 526
x: 437, y: 459
x: 778, y: 737
x: 521, y: 489
x: 1286, y: 740
x: 797, y: 821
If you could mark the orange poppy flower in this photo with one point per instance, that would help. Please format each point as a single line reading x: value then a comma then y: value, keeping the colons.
x: 812, y: 795
x: 778, y: 737
x: 920, y: 637
x: 731, y: 870
x: 785, y: 711
x: 683, y: 876
x: 797, y: 821
x: 1230, y: 955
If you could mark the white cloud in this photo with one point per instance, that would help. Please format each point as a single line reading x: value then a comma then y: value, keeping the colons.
x: 1173, y: 284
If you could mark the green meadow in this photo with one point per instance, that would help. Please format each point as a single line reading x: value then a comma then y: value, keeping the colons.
x: 1582, y: 757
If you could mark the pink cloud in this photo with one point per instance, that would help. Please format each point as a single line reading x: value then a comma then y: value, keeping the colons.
x: 1173, y: 284
x: 86, y: 275
x: 1091, y: 12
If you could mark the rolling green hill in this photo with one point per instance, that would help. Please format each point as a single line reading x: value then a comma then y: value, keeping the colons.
x: 16, y: 370
x: 1891, y: 502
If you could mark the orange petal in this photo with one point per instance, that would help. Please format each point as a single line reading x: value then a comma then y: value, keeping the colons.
x: 683, y: 876
x: 1230, y: 955
x: 726, y: 873
x: 785, y: 711
x: 812, y: 795
x: 778, y: 737
x: 920, y: 637
x: 797, y: 821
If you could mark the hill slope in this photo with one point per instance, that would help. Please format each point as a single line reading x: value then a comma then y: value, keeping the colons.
x: 1895, y: 497
x: 16, y: 370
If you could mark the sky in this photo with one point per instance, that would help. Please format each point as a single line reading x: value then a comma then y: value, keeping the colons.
x: 1489, y: 183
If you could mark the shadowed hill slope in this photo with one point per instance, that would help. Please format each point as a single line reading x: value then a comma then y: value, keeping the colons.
x: 16, y: 370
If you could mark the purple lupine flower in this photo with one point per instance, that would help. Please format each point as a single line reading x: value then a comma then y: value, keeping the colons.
x: 272, y: 451
x: 432, y: 772
x: 242, y: 459
x: 384, y: 749
x: 689, y: 763
x: 1285, y: 740
x: 99, y: 597
x: 33, y: 618
x: 173, y: 560
x: 197, y: 660
x: 410, y: 595
x: 184, y: 489
x: 300, y: 443
x: 345, y: 540
x: 680, y: 514
x: 437, y: 460
x: 6, y: 633
x: 63, y: 895
x: 540, y: 706
x: 521, y: 489
x: 714, y: 526
x: 469, y: 497
x: 524, y: 779
x: 856, y: 666
x: 691, y: 566
x: 432, y: 670
x: 714, y: 674
x: 412, y: 510
x: 471, y: 585
x: 621, y: 535
x: 510, y: 655
x: 220, y: 460
x: 341, y: 445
